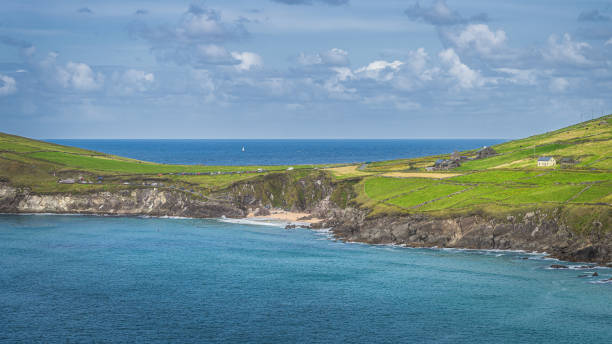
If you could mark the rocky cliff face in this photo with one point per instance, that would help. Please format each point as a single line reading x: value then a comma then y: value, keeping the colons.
x: 540, y: 231
x: 291, y: 191
x: 154, y: 202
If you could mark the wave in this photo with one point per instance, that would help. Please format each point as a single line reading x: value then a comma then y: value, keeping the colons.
x: 254, y: 222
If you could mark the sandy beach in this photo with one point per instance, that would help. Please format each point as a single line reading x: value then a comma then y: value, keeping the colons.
x: 282, y: 215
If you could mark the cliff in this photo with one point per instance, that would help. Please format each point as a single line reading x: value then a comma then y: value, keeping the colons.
x: 540, y: 230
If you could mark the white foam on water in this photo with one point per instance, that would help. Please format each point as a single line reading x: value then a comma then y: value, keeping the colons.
x: 253, y: 222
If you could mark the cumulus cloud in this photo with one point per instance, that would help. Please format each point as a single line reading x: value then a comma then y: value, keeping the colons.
x: 310, y: 2
x: 332, y: 57
x: 593, y: 16
x: 478, y: 37
x: 197, y: 39
x: 380, y: 70
x: 247, y: 60
x: 439, y: 14
x: 417, y: 64
x: 608, y: 42
x: 79, y: 76
x: 566, y: 50
x: 465, y: 76
x: 8, y: 85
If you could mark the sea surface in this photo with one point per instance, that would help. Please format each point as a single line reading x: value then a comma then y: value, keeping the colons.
x: 275, y: 152
x: 75, y: 279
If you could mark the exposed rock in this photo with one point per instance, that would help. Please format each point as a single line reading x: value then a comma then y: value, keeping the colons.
x: 472, y: 231
x: 261, y: 212
x: 595, y: 274
x: 559, y: 266
x: 144, y: 201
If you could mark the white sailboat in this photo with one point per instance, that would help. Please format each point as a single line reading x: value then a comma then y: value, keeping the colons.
x: 243, y: 148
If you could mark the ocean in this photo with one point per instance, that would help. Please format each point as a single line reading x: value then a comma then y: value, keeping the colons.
x: 75, y: 279
x: 275, y: 152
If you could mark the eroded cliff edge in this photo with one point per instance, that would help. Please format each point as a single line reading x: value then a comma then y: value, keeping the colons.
x: 550, y: 230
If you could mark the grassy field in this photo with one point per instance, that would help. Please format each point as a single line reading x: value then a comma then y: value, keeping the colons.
x: 502, y: 183
x: 40, y: 165
x: 499, y: 184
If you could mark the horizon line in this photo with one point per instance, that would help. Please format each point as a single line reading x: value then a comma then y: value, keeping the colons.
x: 290, y: 138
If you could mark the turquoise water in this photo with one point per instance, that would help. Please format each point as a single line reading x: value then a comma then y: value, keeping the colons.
x: 111, y: 279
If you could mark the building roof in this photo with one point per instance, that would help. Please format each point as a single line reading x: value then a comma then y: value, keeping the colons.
x: 545, y: 158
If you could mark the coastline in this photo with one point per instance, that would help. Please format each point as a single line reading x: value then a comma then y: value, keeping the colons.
x: 283, y: 219
x: 537, y: 230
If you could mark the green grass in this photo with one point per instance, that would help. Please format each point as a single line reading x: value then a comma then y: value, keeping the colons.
x: 429, y: 193
x: 594, y: 193
x: 542, y: 194
x: 382, y: 188
x: 465, y: 200
x: 495, y: 176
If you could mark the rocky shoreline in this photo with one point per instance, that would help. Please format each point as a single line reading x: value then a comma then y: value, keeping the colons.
x: 536, y: 231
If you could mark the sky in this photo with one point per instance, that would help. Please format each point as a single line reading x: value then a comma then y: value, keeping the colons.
x: 302, y: 68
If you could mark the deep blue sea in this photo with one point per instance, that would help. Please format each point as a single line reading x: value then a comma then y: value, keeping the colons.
x: 80, y: 279
x: 275, y: 152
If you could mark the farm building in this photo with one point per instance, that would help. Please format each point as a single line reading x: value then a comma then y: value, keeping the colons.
x: 546, y: 161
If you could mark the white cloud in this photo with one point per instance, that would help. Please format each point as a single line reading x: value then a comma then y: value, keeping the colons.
x: 417, y: 63
x: 343, y: 73
x: 332, y: 57
x: 8, y: 85
x: 380, y: 70
x: 566, y: 50
x: 133, y: 80
x: 197, y: 39
x: 79, y: 76
x: 608, y: 42
x: 335, y: 56
x: 247, y: 60
x: 558, y: 85
x: 466, y: 77
x: 478, y: 37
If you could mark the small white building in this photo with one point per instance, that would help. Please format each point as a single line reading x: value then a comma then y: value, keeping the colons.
x: 546, y: 161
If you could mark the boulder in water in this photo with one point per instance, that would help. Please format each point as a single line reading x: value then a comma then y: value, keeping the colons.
x: 559, y: 266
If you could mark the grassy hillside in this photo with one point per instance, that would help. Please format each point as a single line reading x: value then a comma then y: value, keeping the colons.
x: 40, y: 165
x: 501, y: 183
x: 498, y: 184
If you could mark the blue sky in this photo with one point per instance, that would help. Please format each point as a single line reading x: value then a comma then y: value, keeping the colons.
x: 302, y: 68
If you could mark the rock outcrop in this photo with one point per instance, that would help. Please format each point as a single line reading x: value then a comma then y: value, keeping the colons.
x: 153, y: 202
x: 532, y: 231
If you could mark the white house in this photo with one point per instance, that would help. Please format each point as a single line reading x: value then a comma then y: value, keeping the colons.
x: 546, y: 161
